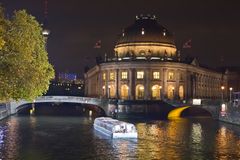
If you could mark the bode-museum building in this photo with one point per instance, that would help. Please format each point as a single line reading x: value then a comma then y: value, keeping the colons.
x: 147, y: 66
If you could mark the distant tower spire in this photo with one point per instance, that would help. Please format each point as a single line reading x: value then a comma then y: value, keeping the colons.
x: 45, y: 9
x: 45, y: 31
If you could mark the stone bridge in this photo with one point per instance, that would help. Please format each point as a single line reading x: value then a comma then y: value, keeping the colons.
x: 103, y: 104
x: 109, y: 105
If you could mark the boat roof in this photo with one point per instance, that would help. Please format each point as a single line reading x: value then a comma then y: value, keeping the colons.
x: 111, y: 121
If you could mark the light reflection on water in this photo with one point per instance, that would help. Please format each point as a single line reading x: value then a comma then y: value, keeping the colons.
x: 50, y: 138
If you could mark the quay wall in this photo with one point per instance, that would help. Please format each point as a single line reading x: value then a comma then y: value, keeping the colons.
x: 231, y: 115
x: 5, y: 110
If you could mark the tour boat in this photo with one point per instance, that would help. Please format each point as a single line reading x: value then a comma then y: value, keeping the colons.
x: 114, y: 128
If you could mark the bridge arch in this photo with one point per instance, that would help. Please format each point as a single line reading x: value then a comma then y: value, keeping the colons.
x: 101, y: 103
x: 178, y: 112
x: 63, y: 108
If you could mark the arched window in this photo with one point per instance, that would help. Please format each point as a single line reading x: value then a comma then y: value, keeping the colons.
x: 181, y: 92
x: 124, y: 91
x: 111, y: 90
x: 171, y: 90
x: 156, y: 92
x: 139, y: 91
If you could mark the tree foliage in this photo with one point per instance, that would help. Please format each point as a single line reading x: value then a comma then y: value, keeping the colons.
x: 25, y: 71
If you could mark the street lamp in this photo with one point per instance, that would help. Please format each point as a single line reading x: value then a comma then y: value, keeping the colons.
x: 222, y: 88
x: 230, y: 94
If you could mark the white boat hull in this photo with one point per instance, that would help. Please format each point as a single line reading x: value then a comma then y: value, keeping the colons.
x: 108, y: 132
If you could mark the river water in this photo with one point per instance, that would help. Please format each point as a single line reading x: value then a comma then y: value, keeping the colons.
x: 73, y: 138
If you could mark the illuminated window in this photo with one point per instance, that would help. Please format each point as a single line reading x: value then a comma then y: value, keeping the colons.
x: 156, y: 75
x: 124, y: 75
x: 104, y: 76
x: 170, y: 92
x: 140, y: 75
x: 112, y: 76
x: 170, y: 75
x: 124, y: 91
x: 111, y: 89
x: 139, y: 91
x: 181, y: 92
x: 156, y: 91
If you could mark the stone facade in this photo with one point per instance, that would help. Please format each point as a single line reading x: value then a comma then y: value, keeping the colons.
x: 175, y: 81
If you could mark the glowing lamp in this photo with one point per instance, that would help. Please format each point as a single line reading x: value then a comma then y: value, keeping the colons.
x: 45, y: 32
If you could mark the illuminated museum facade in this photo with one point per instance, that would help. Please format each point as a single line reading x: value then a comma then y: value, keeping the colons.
x: 147, y: 66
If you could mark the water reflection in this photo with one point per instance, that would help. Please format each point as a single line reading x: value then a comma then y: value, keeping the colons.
x: 11, y: 139
x: 196, y: 133
x: 69, y: 138
x: 186, y: 139
x: 227, y: 144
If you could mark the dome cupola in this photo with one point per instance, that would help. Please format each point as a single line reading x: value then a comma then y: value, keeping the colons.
x: 146, y: 37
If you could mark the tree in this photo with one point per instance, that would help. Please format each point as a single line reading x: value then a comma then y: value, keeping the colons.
x: 2, y: 42
x: 25, y: 71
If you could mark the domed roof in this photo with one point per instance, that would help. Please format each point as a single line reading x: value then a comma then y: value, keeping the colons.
x: 146, y: 29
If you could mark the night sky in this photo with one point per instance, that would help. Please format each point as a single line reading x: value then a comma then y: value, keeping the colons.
x: 213, y: 26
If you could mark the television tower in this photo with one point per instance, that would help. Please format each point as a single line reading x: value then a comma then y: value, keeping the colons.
x: 45, y: 31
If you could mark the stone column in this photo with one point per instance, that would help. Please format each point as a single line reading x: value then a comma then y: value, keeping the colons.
x: 201, y: 95
x: 197, y: 85
x: 99, y: 85
x: 185, y: 86
x: 131, y: 83
x: 106, y: 84
x: 189, y: 87
x: 147, y: 84
x: 164, y: 81
x: 117, y: 83
x: 210, y: 87
x: 177, y: 79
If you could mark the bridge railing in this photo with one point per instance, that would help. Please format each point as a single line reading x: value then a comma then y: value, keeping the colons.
x: 103, y: 103
x: 211, y: 102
